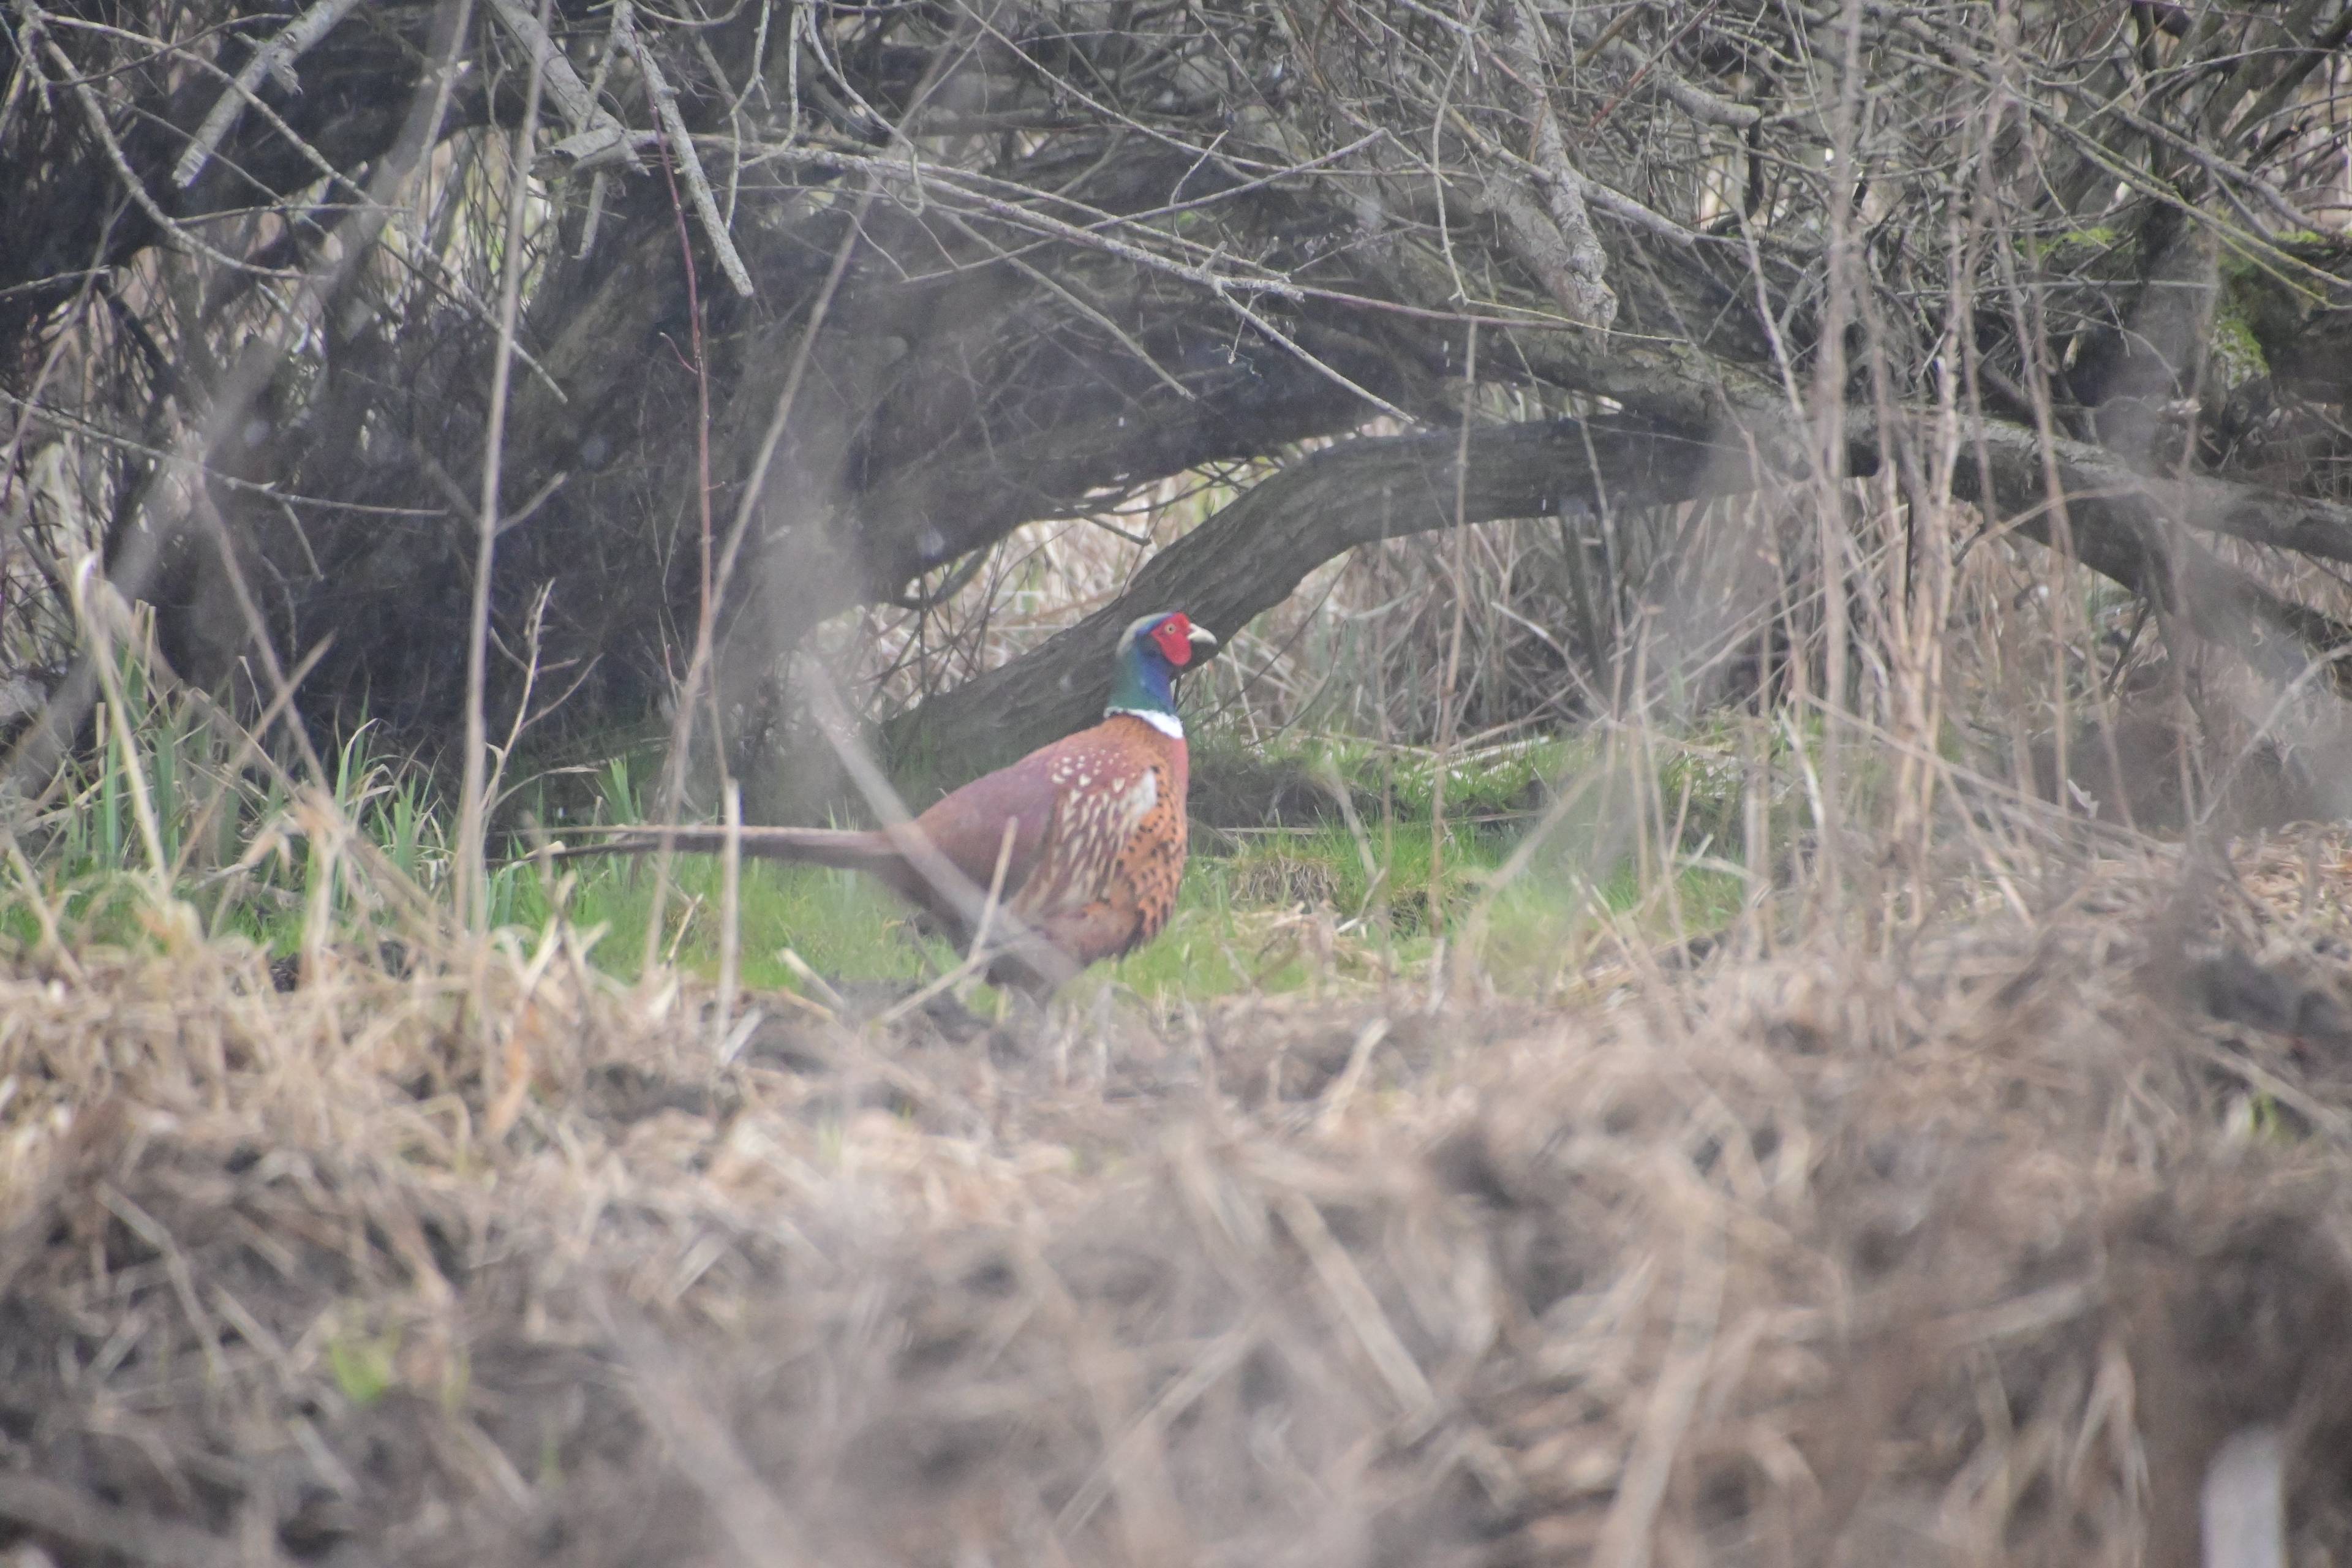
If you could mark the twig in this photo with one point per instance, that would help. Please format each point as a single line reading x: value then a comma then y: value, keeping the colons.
x: 730, y: 911
x: 1360, y: 1057
x: 274, y: 59
x: 1225, y: 1353
x: 175, y: 1267
x: 1447, y: 709
x: 598, y: 139
x: 611, y: 51
x: 921, y: 854
x: 747, y: 1515
x: 704, y: 644
x: 1307, y: 357
x: 834, y: 1005
x: 1624, y: 1539
x: 35, y: 21
x: 471, y: 875
x: 681, y: 141
x: 707, y: 611
x: 747, y: 507
x: 1041, y: 223
x: 1069, y: 297
x: 70, y: 1515
x: 101, y: 657
x: 1626, y: 210
x: 1685, y: 95
x: 53, y: 944
x: 1358, y: 1308
x: 1705, y: 106
x: 980, y: 954
x: 2326, y: 1119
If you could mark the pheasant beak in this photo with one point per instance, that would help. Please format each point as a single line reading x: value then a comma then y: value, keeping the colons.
x: 1202, y: 639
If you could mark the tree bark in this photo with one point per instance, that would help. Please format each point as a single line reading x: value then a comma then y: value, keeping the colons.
x: 2137, y: 531
x: 1253, y: 555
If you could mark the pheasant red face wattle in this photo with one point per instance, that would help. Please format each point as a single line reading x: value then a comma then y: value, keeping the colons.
x: 1174, y: 636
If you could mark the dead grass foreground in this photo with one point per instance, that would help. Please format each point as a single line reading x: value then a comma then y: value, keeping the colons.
x: 1967, y: 1253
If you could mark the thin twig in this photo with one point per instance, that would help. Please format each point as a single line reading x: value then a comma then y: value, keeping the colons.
x: 746, y: 508
x: 112, y: 1528
x: 274, y: 59
x: 35, y: 21
x: 730, y: 911
x: 598, y: 137
x: 471, y: 874
x: 1447, y: 708
x: 698, y: 184
x: 978, y: 954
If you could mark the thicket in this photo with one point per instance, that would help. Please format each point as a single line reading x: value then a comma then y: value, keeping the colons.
x: 511, y: 366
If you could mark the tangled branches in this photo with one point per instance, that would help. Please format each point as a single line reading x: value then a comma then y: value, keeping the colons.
x: 1006, y: 259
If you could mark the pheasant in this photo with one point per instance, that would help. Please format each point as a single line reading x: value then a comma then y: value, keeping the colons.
x: 1096, y: 822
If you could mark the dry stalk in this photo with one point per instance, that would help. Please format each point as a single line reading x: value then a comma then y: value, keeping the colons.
x: 471, y: 876
x: 980, y: 954
x: 679, y: 144
x: 730, y: 913
x: 1446, y: 696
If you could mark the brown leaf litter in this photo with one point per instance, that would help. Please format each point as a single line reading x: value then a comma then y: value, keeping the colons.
x: 1970, y: 1250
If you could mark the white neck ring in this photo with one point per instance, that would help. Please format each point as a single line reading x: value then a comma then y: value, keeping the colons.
x: 1167, y: 724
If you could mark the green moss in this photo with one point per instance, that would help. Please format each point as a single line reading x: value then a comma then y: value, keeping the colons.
x: 2071, y: 248
x: 2234, y: 347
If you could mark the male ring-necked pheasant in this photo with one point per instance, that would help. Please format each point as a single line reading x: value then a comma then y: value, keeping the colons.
x: 1098, y: 830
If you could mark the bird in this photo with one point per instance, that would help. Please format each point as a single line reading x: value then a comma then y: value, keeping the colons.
x: 1095, y: 821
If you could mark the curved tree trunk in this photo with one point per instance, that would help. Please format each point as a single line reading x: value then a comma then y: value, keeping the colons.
x: 1253, y: 555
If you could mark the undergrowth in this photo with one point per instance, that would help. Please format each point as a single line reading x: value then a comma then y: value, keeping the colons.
x: 172, y: 821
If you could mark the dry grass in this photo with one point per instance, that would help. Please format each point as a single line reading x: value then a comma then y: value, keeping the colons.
x: 1965, y: 1252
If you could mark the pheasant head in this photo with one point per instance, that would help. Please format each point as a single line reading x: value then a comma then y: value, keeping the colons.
x: 1150, y: 652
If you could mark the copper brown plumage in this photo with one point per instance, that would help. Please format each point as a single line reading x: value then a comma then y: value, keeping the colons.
x: 1097, y: 824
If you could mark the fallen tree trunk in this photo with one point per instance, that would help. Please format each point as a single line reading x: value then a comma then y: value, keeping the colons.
x: 1253, y: 555
x: 2137, y: 531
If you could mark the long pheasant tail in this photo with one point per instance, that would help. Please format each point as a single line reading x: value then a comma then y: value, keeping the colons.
x: 857, y: 851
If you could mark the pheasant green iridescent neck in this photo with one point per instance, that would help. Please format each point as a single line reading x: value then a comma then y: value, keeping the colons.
x: 1144, y: 686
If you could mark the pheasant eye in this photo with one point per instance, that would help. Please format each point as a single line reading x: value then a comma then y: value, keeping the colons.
x: 1174, y: 636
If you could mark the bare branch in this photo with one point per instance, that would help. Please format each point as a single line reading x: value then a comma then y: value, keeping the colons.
x: 275, y: 61
x: 1253, y: 555
x: 1669, y: 84
x: 1568, y: 257
x: 598, y: 137
x: 698, y: 184
x: 36, y: 27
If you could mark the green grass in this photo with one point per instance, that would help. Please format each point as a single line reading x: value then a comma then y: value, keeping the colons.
x: 1270, y: 909
x: 1246, y: 918
x: 840, y: 924
x: 1233, y: 928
